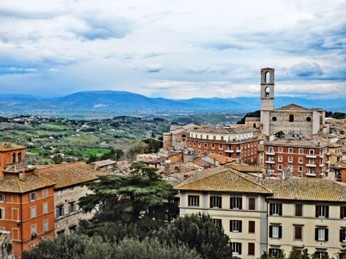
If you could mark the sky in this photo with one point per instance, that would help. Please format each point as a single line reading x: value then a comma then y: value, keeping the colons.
x: 175, y: 49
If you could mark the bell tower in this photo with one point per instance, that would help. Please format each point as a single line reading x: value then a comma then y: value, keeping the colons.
x: 267, y: 97
x: 267, y: 89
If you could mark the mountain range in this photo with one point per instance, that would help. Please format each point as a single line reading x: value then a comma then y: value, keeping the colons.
x: 121, y: 102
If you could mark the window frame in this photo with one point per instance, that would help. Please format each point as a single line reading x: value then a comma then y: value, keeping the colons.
x: 215, y: 201
x: 193, y: 200
x: 236, y: 203
x: 235, y: 226
x: 275, y: 209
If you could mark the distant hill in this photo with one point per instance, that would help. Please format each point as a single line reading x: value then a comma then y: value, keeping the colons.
x: 123, y: 102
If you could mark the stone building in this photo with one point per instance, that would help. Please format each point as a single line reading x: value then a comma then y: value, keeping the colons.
x: 292, y: 120
x: 26, y: 200
x: 70, y: 180
x: 176, y: 138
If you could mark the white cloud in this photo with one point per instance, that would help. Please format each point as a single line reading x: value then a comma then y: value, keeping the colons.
x: 175, y: 49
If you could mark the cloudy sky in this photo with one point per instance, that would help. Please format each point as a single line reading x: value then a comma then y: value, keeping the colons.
x: 173, y: 48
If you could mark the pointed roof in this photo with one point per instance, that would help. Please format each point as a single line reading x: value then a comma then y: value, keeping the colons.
x: 225, y: 180
x: 292, y: 107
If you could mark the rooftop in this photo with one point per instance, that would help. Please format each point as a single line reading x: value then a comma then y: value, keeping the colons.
x: 9, y: 146
x: 295, y: 143
x: 30, y: 183
x: 65, y: 175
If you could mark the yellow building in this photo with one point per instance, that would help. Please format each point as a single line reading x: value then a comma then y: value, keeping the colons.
x: 270, y: 214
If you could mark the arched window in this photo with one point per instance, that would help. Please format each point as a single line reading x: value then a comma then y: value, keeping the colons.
x: 207, y: 136
x: 214, y: 137
x: 267, y: 77
x: 221, y: 137
x: 267, y: 92
x: 13, y: 157
x: 19, y: 156
x: 184, y: 137
x: 291, y: 118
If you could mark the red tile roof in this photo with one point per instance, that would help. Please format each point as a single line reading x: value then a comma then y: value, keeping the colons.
x: 30, y: 183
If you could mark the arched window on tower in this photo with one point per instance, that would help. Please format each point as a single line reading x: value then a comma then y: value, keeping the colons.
x: 291, y: 118
x: 267, y: 77
x: 267, y: 92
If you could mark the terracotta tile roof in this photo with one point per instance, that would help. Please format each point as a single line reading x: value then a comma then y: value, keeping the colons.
x: 334, y: 145
x: 104, y: 163
x: 307, y: 189
x: 65, y: 175
x: 222, y: 159
x: 296, y: 143
x: 9, y: 146
x: 292, y: 107
x: 223, y: 180
x: 32, y: 182
x: 246, y: 168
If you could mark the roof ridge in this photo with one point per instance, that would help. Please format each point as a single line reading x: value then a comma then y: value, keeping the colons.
x: 203, y: 177
x: 249, y: 180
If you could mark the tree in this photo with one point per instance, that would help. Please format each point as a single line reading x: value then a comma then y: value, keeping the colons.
x: 83, y: 247
x: 198, y: 232
x: 139, y: 198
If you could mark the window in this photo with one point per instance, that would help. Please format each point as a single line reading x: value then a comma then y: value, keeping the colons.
x: 300, y: 160
x: 275, y: 231
x: 251, y: 249
x: 44, y: 193
x: 222, y: 138
x: 343, y: 235
x: 33, y: 212
x: 2, y: 213
x: 45, y: 226
x: 321, y: 254
x: 290, y: 150
x: 45, y: 208
x: 236, y: 248
x: 300, y: 151
x: 308, y: 119
x: 298, y: 231
x: 275, y: 252
x: 13, y: 158
x: 300, y: 169
x: 342, y: 212
x: 19, y: 157
x: 221, y: 147
x: 280, y: 158
x: 199, y: 144
x: 212, y: 146
x: 252, y: 203
x: 299, y: 210
x: 205, y: 145
x: 215, y: 202
x: 280, y: 149
x: 33, y: 231
x: 322, y: 211
x: 274, y: 118
x: 73, y: 230
x: 193, y: 201
x: 311, y: 152
x: 279, y: 167
x: 290, y: 159
x: 60, y: 211
x: 33, y: 196
x: 291, y: 118
x: 71, y: 207
x: 235, y: 225
x: 236, y: 203
x: 251, y: 226
x: 217, y: 222
x: 60, y: 192
x: 321, y: 234
x: 275, y: 209
x: 214, y: 137
x: 2, y: 197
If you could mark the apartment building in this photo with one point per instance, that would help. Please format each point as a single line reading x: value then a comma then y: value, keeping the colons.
x: 26, y: 200
x: 269, y: 214
x: 70, y: 180
x: 303, y: 158
x: 237, y: 143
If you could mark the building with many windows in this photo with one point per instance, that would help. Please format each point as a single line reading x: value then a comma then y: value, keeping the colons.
x: 237, y: 143
x: 270, y: 215
x: 304, y: 158
x: 26, y: 200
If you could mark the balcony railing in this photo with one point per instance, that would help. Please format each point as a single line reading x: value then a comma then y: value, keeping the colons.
x: 270, y: 162
x: 229, y: 151
x: 270, y: 152
x: 311, y: 156
x: 310, y: 165
x: 310, y: 174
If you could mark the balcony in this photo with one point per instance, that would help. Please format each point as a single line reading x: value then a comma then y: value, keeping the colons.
x: 310, y: 165
x: 311, y: 174
x: 270, y: 162
x: 311, y: 156
x: 238, y: 150
x: 321, y: 165
x: 270, y: 152
x: 229, y: 151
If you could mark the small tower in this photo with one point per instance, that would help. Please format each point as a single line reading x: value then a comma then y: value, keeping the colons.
x: 267, y: 89
x: 267, y: 97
